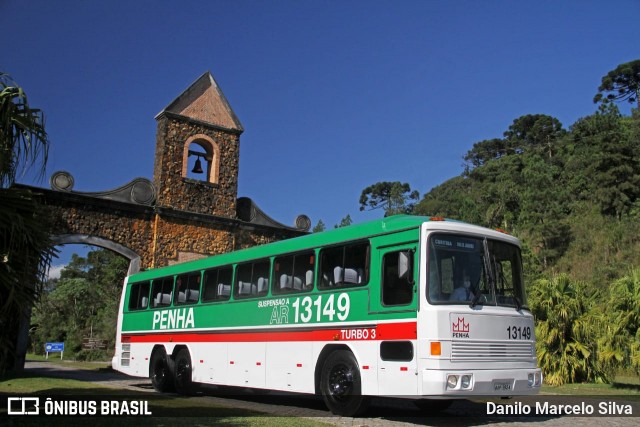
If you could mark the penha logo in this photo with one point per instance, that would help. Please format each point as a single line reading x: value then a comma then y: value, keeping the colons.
x: 460, y: 329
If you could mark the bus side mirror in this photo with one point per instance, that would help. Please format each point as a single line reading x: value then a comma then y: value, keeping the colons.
x: 405, y: 266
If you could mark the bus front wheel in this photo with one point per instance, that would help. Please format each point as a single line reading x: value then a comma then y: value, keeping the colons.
x: 160, y: 371
x: 183, y: 370
x: 341, y: 386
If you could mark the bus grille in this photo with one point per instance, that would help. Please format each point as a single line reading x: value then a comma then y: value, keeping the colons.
x: 491, y: 351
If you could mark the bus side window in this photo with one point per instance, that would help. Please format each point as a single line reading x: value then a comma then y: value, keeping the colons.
x: 252, y: 279
x: 293, y: 273
x: 397, y: 288
x: 187, y: 289
x: 217, y: 284
x: 139, y: 296
x: 162, y: 292
x: 344, y: 266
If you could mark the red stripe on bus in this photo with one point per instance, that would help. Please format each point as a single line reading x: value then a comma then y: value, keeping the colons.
x: 383, y: 331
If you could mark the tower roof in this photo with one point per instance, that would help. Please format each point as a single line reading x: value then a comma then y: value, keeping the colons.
x: 205, y: 102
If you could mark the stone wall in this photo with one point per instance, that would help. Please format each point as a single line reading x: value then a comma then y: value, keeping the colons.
x: 159, y: 236
x: 187, y: 194
x: 127, y: 225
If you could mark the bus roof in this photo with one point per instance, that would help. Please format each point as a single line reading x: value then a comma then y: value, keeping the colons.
x: 387, y: 225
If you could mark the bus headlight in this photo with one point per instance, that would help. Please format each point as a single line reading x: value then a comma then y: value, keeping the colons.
x: 465, y: 381
x: 534, y: 379
x: 452, y: 381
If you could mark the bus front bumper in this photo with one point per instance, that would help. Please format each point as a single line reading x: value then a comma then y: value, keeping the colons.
x: 499, y: 382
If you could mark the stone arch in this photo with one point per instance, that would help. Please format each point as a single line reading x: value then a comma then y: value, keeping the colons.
x: 212, y: 156
x: 84, y: 239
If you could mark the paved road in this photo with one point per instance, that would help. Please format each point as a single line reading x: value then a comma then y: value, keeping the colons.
x: 383, y: 412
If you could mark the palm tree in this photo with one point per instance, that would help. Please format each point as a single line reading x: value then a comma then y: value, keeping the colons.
x: 621, y: 347
x: 566, y: 332
x: 25, y: 247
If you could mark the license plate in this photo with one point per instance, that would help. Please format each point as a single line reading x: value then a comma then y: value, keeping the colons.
x: 502, y: 385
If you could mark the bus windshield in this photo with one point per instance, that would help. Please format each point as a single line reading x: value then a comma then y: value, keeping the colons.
x: 474, y: 271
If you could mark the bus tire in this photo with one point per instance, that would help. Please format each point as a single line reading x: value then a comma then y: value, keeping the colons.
x: 341, y: 386
x: 160, y: 371
x: 183, y: 373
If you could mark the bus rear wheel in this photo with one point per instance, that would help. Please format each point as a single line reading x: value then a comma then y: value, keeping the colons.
x: 183, y: 372
x: 160, y: 371
x: 341, y: 386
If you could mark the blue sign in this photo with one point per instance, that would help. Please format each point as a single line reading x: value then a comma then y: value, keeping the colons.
x: 52, y: 347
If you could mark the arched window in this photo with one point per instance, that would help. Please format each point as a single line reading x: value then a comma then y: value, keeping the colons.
x: 201, y: 159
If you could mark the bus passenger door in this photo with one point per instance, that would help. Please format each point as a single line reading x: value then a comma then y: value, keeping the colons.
x: 396, y: 299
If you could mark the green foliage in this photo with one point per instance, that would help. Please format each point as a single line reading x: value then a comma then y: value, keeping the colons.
x: 25, y: 247
x: 82, y: 303
x: 534, y: 131
x: 566, y: 332
x: 23, y: 139
x: 621, y: 341
x: 531, y: 133
x: 622, y: 83
x: 392, y: 197
x: 542, y: 215
x: 344, y: 222
x: 320, y: 227
x: 602, y: 165
x: 455, y: 198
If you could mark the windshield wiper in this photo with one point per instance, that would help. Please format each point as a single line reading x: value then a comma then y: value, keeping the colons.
x: 518, y: 303
x: 489, y: 273
x: 476, y: 298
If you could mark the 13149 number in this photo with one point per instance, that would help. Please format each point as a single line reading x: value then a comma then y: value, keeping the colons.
x: 308, y: 308
x: 519, y: 332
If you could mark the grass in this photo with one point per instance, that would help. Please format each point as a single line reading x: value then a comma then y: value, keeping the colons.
x: 41, y: 385
x: 625, y: 384
x: 55, y: 359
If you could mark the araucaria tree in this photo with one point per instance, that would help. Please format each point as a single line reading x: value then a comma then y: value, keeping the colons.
x: 393, y: 197
x: 621, y: 84
x: 25, y: 247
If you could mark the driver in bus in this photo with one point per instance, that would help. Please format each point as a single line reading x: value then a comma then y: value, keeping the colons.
x: 463, y: 292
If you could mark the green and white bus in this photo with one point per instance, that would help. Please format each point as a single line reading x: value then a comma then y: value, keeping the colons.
x: 422, y: 308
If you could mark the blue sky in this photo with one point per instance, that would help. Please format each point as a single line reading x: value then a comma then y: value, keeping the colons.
x: 333, y: 95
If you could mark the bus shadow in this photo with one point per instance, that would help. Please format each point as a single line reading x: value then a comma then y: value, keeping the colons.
x: 626, y: 386
x: 460, y: 413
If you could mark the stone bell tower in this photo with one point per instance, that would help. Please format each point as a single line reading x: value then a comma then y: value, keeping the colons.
x: 181, y: 215
x: 198, y: 132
